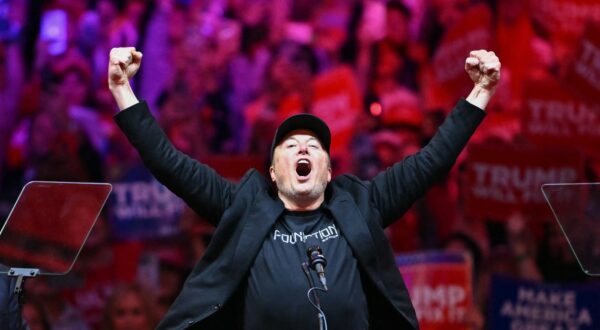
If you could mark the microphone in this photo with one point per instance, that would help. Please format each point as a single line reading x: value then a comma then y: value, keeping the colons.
x: 317, y: 262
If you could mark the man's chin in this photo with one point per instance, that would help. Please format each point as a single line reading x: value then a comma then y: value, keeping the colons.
x: 312, y: 191
x: 304, y: 191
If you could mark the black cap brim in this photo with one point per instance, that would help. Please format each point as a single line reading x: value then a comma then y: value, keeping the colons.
x: 303, y: 121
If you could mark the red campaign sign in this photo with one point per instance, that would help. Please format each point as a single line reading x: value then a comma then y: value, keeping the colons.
x: 551, y: 116
x: 440, y: 288
x: 501, y: 179
x: 502, y: 126
x: 583, y: 76
x: 564, y: 18
x: 471, y: 32
x: 233, y: 167
x: 337, y: 100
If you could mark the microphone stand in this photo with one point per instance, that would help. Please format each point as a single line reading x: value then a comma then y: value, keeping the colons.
x: 315, y: 295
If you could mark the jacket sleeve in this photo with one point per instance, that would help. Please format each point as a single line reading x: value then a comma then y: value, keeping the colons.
x: 198, y: 185
x: 394, y: 190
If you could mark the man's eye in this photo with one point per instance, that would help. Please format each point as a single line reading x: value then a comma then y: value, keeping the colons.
x: 314, y: 146
x: 291, y: 145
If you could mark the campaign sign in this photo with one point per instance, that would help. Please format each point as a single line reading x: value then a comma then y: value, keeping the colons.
x: 142, y: 208
x: 583, y: 76
x: 440, y: 287
x: 502, y: 126
x: 551, y: 116
x: 520, y: 304
x: 565, y: 18
x: 501, y: 179
x: 233, y: 167
x: 449, y: 80
x: 337, y: 100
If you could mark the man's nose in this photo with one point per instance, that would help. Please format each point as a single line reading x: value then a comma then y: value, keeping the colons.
x: 303, y: 148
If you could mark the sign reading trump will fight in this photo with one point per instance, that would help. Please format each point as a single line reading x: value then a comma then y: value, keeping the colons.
x: 504, y: 178
x: 552, y: 116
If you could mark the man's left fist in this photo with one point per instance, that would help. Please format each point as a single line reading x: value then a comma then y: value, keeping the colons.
x: 484, y: 69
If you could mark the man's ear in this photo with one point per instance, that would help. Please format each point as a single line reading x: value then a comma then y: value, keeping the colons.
x: 329, y: 174
x: 272, y: 173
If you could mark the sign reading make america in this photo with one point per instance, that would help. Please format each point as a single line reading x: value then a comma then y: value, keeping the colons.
x: 521, y: 304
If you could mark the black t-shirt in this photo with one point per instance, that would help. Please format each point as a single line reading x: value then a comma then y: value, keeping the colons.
x: 276, y: 289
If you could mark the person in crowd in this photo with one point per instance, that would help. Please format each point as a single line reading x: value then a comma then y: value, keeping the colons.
x: 53, y: 309
x: 129, y: 307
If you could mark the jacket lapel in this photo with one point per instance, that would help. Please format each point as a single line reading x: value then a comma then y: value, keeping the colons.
x: 354, y: 227
x: 256, y: 225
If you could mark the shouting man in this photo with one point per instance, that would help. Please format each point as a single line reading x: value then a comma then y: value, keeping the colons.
x: 251, y: 275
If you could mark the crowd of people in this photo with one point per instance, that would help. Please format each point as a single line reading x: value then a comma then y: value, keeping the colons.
x: 220, y: 76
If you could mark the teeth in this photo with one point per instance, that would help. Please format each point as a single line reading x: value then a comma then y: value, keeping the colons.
x: 303, y: 167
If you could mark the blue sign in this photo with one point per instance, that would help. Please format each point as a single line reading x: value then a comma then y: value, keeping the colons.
x: 142, y: 208
x: 519, y: 304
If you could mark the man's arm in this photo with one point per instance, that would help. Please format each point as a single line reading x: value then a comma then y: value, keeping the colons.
x: 197, y: 184
x: 396, y: 189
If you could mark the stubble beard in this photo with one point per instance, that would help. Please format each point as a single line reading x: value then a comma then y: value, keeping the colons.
x: 313, y: 194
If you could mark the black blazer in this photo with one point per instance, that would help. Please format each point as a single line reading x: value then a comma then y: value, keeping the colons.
x: 245, y: 212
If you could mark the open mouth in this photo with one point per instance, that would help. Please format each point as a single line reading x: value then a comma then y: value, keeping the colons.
x: 303, y: 167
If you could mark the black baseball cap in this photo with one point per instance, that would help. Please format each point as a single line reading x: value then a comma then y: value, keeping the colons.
x: 303, y: 121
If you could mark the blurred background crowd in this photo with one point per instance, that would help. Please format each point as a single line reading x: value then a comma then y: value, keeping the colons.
x: 220, y: 76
